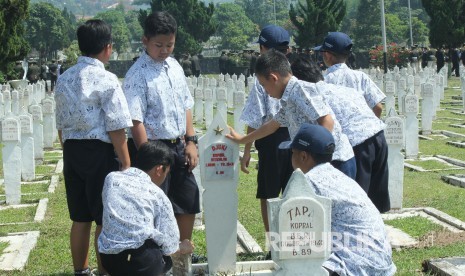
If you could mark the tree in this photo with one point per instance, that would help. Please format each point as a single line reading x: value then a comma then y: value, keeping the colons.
x: 71, y: 24
x: 447, y: 22
x: 134, y: 27
x: 315, y: 18
x: 47, y: 29
x: 119, y: 28
x: 235, y: 29
x: 367, y: 31
x: 195, y: 22
x: 262, y: 12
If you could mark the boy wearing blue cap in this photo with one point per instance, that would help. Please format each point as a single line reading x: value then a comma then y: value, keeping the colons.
x: 336, y: 49
x: 364, y: 130
x: 274, y: 165
x: 359, y: 242
x: 300, y: 103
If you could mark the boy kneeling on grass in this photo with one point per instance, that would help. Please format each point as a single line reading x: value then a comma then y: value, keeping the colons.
x: 359, y: 242
x: 139, y: 228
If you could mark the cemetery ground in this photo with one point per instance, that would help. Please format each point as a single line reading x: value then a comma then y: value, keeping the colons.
x: 51, y: 255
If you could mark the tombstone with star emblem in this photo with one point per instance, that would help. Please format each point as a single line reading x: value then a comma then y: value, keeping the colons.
x: 219, y: 172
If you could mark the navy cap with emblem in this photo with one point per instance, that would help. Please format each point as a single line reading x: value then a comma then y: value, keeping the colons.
x: 273, y: 36
x: 336, y: 42
x: 311, y: 138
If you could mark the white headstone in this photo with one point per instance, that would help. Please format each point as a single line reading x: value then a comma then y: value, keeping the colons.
x: 239, y: 100
x: 37, y: 130
x: 402, y: 85
x: 198, y: 105
x: 208, y: 106
x: 390, y: 90
x: 427, y: 107
x: 394, y: 134
x: 300, y: 227
x: 27, y: 147
x: 411, y: 126
x: 15, y: 102
x: 48, y: 115
x: 11, y: 138
x: 219, y: 172
x: 230, y: 85
x: 221, y: 102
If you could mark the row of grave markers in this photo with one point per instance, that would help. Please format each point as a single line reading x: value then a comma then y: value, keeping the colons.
x: 27, y: 128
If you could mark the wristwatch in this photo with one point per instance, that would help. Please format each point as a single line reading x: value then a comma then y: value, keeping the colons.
x: 193, y: 138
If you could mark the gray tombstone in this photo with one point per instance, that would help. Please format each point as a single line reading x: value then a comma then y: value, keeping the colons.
x: 208, y: 106
x: 402, y: 85
x: 230, y: 85
x: 38, y: 131
x: 27, y: 147
x: 11, y: 138
x: 7, y: 101
x: 394, y: 134
x: 411, y: 125
x: 15, y: 102
x: 300, y: 224
x: 390, y: 91
x: 219, y: 170
x: 417, y: 85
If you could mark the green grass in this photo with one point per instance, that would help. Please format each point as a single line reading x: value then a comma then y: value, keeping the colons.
x: 414, y: 226
x: 51, y: 256
x: 25, y: 214
x: 3, y: 245
x: 44, y: 169
x: 430, y: 164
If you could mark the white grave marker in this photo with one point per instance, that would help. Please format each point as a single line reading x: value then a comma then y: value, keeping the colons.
x: 221, y: 102
x: 208, y: 96
x: 390, y: 101
x: 427, y: 107
x: 239, y: 100
x: 48, y: 114
x: 11, y: 138
x: 219, y: 172
x: 27, y: 147
x: 394, y: 134
x: 300, y: 227
x: 198, y: 105
x: 411, y: 125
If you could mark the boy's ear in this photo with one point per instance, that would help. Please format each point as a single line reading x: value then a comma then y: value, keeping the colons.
x: 145, y: 40
x: 273, y: 76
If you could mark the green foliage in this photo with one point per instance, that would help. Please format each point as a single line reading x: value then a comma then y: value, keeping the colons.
x: 414, y: 226
x: 234, y: 28
x: 194, y: 19
x: 262, y: 12
x: 447, y: 22
x: 14, y: 46
x: 119, y: 28
x: 396, y: 55
x: 313, y: 20
x: 135, y: 29
x: 72, y: 53
x: 367, y: 30
x: 47, y: 29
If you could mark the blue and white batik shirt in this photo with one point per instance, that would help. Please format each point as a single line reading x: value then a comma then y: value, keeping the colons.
x: 341, y: 74
x: 158, y: 96
x: 136, y: 209
x: 90, y: 102
x: 360, y: 246
x: 302, y: 103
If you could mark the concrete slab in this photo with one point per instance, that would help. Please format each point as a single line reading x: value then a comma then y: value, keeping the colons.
x: 15, y: 256
x: 53, y: 183
x: 242, y: 268
x: 459, y: 144
x: 398, y: 238
x: 452, y: 266
x: 451, y: 164
x: 452, y: 134
x: 458, y: 112
x: 457, y: 125
x: 246, y: 240
x: 59, y: 166
x: 455, y: 179
x: 41, y: 209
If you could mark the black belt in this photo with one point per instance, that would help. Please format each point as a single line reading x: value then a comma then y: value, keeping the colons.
x: 171, y: 141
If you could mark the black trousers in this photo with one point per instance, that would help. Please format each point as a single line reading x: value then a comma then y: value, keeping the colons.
x: 372, y: 170
x: 146, y: 260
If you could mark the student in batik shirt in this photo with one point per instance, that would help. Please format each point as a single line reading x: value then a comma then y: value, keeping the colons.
x: 364, y: 130
x: 300, y: 103
x: 160, y: 105
x: 359, y: 241
x: 91, y: 118
x: 139, y: 228
x: 335, y: 50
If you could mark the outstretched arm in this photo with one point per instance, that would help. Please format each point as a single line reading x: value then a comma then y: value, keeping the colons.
x: 263, y: 131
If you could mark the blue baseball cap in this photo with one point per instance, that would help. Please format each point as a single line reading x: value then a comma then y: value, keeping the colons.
x: 273, y: 36
x: 336, y: 42
x: 311, y: 138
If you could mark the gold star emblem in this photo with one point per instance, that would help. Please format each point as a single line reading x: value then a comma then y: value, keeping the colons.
x: 218, y: 130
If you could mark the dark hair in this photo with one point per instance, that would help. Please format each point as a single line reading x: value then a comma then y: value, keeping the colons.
x: 153, y: 153
x: 321, y: 158
x: 93, y: 36
x: 305, y: 69
x: 272, y: 61
x: 159, y: 23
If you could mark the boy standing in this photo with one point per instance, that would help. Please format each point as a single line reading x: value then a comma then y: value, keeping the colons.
x: 300, y: 103
x: 91, y: 116
x: 274, y: 165
x: 139, y: 228
x: 359, y: 242
x: 160, y: 104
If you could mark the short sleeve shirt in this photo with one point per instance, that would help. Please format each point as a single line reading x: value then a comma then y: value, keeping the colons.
x: 90, y: 102
x: 341, y: 74
x: 357, y: 120
x: 158, y: 96
x: 259, y: 107
x: 136, y: 209
x: 354, y: 219
x: 302, y: 103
